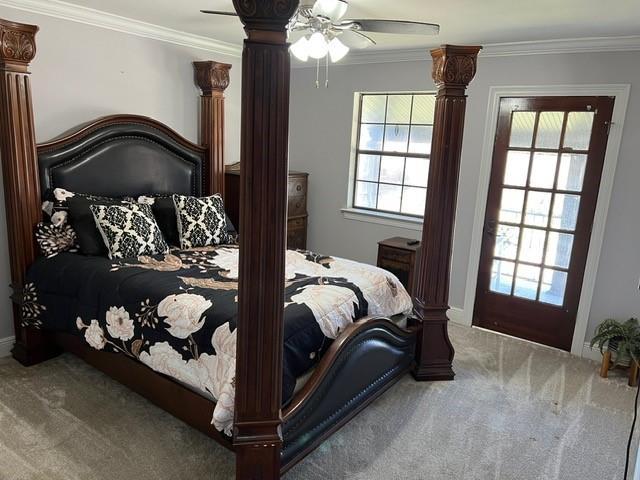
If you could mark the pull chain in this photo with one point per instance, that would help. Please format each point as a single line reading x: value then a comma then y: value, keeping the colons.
x: 326, y: 78
x: 318, y: 73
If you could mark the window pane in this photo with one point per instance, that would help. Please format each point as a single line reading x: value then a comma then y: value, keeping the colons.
x: 543, y: 170
x: 571, y: 173
x: 522, y: 129
x: 559, y: 247
x: 549, y: 129
x: 565, y: 211
x: 537, y: 211
x: 532, y: 245
x: 396, y: 138
x: 392, y: 169
x: 578, y: 131
x: 501, y: 276
x: 517, y: 168
x: 416, y: 172
x: 554, y: 284
x: 373, y: 108
x: 507, y: 242
x: 399, y: 109
x: 371, y: 137
x: 423, y: 108
x: 511, y: 205
x: 389, y: 197
x: 368, y: 167
x: 420, y: 141
x: 413, y: 200
x: 366, y: 194
x: 526, y: 285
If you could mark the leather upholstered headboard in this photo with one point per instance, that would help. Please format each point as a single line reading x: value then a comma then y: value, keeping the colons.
x: 123, y: 155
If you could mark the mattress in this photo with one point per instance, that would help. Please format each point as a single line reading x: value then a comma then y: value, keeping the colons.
x: 177, y: 313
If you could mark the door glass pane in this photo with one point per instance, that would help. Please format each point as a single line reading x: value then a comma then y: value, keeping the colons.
x: 554, y: 284
x: 507, y: 241
x: 549, y: 130
x: 526, y: 282
x: 537, y: 211
x: 571, y: 173
x: 389, y: 197
x: 515, y: 172
x: 399, y: 109
x: 501, y: 276
x: 511, y: 205
x: 578, y: 131
x: 416, y: 172
x: 522, y: 129
x: 423, y: 108
x: 371, y: 137
x: 366, y: 194
x: 396, y: 138
x: 420, y: 140
x: 543, y: 170
x: 565, y: 211
x: 532, y: 245
x: 368, y: 167
x: 392, y: 169
x: 373, y: 108
x: 413, y: 200
x: 559, y: 247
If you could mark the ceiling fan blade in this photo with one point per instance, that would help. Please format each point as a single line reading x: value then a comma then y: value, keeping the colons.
x: 355, y: 39
x: 216, y: 12
x: 395, y: 26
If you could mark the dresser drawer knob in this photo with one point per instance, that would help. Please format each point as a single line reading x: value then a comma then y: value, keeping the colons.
x: 299, y: 187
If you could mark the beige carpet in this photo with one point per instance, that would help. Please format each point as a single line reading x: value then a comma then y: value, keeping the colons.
x: 515, y: 411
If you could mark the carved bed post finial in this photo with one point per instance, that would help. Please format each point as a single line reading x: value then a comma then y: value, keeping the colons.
x: 453, y: 68
x: 19, y: 169
x: 212, y: 78
x: 266, y: 68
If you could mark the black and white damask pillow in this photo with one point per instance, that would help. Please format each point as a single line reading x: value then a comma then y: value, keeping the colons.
x: 201, y: 221
x: 129, y: 230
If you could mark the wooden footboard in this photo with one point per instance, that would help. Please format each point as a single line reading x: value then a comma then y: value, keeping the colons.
x: 362, y: 363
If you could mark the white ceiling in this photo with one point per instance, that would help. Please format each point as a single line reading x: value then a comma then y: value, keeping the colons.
x: 462, y: 21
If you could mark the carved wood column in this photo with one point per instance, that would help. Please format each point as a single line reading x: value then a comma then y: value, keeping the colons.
x: 19, y: 169
x: 263, y: 210
x: 213, y: 80
x: 453, y: 68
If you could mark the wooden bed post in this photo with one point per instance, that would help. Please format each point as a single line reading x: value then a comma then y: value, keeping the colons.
x: 213, y: 79
x: 453, y: 69
x: 263, y: 210
x: 20, y: 172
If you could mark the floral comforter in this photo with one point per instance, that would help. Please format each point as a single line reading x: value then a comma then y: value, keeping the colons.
x: 177, y: 313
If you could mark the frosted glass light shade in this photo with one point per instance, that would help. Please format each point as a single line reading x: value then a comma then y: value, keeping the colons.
x: 318, y: 47
x: 334, y: 10
x: 337, y: 50
x: 300, y: 49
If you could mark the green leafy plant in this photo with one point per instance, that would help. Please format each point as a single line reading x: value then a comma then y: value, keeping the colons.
x: 623, y: 338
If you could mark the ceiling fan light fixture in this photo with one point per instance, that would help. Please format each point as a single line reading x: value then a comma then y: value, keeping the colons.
x: 300, y: 49
x: 337, y: 50
x: 334, y: 10
x: 318, y: 47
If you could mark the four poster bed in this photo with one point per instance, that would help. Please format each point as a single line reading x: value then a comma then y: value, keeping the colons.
x: 270, y: 425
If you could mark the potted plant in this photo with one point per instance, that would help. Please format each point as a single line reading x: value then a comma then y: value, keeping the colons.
x: 621, y: 338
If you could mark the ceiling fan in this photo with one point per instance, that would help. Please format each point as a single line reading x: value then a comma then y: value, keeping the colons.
x: 320, y: 31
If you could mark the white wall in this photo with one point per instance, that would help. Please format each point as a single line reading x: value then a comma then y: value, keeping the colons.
x: 82, y: 72
x: 321, y: 122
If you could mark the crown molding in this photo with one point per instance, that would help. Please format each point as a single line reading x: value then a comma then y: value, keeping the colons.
x: 110, y: 21
x: 542, y: 47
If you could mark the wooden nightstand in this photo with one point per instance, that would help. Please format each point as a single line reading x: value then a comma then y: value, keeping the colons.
x: 397, y: 256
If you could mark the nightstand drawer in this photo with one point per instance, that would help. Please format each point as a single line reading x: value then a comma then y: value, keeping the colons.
x: 394, y: 255
x: 398, y: 256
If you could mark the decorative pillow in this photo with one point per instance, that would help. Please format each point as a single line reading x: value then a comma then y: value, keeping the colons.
x: 129, y: 231
x: 201, y: 221
x: 53, y: 239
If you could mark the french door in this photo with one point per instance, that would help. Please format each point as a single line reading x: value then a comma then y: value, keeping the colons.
x: 547, y: 164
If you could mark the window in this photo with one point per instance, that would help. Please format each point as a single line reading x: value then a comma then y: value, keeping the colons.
x: 392, y: 152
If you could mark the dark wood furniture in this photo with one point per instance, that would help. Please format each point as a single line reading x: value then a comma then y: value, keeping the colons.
x: 365, y: 360
x: 297, y: 216
x: 398, y: 255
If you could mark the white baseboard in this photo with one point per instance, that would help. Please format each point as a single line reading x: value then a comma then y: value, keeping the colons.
x: 456, y: 315
x: 6, y: 344
x: 591, y: 353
